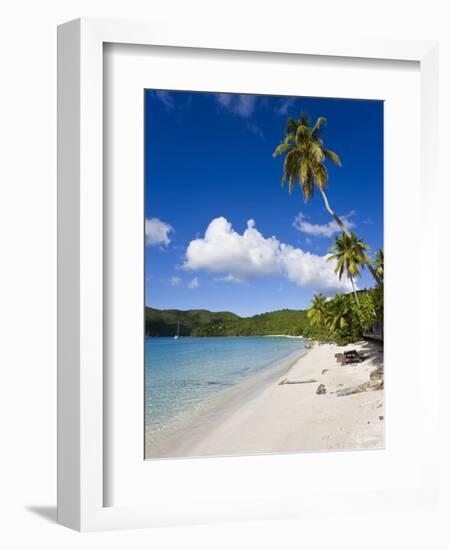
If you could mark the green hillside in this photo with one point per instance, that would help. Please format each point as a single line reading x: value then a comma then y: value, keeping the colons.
x: 200, y: 322
x: 164, y: 322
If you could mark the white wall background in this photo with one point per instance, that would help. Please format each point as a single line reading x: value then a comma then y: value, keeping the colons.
x: 28, y: 269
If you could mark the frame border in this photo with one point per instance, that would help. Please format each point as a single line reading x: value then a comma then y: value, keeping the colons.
x: 80, y: 232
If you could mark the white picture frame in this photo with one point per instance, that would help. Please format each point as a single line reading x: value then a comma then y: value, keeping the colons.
x: 81, y: 406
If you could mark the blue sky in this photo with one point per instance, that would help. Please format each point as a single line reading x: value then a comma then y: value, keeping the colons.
x: 221, y: 232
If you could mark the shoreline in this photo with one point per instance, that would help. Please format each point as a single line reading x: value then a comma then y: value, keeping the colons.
x: 216, y: 409
x: 234, y: 336
x: 282, y: 336
x: 282, y: 412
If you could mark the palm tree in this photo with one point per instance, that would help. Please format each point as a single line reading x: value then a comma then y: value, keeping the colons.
x: 379, y: 264
x: 338, y: 312
x: 305, y: 155
x: 317, y: 312
x: 349, y: 251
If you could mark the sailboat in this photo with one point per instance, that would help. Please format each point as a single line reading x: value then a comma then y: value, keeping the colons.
x: 176, y: 336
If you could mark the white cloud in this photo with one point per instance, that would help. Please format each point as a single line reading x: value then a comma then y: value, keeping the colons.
x: 238, y: 258
x: 157, y: 232
x: 310, y: 270
x: 175, y: 281
x: 229, y: 279
x: 223, y: 250
x: 321, y: 230
x: 285, y: 105
x: 254, y: 129
x: 224, y: 99
x: 241, y: 105
x: 165, y: 98
x: 194, y: 283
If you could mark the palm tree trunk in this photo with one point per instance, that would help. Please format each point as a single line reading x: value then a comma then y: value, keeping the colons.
x: 334, y: 215
x: 355, y: 292
x: 345, y: 230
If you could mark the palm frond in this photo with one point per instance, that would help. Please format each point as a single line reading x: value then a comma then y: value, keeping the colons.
x: 282, y: 148
x: 290, y: 169
x: 290, y: 137
x: 302, y: 134
x: 305, y: 155
x: 349, y: 251
x: 317, y: 152
x: 291, y: 126
x: 319, y: 124
x: 332, y: 156
x: 304, y: 119
x: 320, y: 175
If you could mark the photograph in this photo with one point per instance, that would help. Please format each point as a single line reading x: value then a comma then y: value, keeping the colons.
x: 264, y: 274
x: 197, y: 201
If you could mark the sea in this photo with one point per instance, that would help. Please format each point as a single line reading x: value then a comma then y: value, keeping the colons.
x: 186, y: 375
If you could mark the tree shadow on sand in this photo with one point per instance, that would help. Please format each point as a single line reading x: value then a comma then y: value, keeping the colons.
x: 374, y: 351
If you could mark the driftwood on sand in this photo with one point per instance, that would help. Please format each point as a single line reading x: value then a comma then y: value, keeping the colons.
x: 376, y: 382
x: 287, y: 381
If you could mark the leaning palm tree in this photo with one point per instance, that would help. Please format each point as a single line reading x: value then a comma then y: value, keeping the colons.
x: 338, y: 313
x: 379, y: 263
x: 317, y: 313
x: 349, y: 251
x: 305, y: 156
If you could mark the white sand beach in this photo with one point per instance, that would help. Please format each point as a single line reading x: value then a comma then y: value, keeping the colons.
x: 288, y: 415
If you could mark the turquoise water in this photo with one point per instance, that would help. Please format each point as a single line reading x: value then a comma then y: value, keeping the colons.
x: 181, y: 375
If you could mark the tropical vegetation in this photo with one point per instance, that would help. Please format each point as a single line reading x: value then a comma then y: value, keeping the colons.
x: 378, y: 264
x: 343, y: 318
x: 207, y: 323
x: 304, y: 164
x: 349, y: 253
